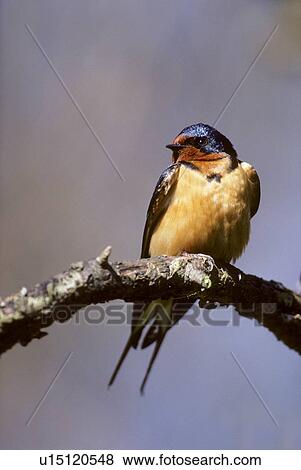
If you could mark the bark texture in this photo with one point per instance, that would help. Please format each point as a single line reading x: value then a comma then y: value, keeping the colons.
x: 24, y: 316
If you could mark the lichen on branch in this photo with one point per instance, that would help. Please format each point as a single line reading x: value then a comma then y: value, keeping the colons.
x: 24, y: 315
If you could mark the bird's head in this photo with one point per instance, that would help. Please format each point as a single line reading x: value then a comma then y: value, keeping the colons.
x: 199, y: 142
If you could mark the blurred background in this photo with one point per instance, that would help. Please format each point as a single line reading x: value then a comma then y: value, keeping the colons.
x: 135, y: 73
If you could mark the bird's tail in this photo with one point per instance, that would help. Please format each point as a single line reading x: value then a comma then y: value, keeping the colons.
x: 159, y: 312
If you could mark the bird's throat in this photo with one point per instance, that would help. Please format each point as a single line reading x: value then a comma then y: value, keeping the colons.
x: 209, y: 164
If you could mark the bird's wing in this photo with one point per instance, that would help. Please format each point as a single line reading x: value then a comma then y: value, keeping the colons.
x: 254, y: 183
x: 158, y: 204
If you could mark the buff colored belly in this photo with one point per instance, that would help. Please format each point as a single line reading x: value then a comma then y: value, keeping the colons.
x: 205, y: 217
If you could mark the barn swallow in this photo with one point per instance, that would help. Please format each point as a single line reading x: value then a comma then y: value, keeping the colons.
x: 202, y: 203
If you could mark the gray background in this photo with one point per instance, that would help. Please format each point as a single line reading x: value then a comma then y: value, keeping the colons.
x: 141, y: 71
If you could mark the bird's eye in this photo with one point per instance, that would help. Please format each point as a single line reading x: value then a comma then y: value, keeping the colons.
x: 203, y: 141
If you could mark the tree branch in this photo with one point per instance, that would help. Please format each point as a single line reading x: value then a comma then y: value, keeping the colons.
x: 24, y: 316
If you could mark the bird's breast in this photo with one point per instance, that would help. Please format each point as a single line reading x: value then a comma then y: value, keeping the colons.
x: 210, y: 216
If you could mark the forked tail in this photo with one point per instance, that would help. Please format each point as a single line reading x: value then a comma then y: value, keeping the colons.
x: 160, y: 311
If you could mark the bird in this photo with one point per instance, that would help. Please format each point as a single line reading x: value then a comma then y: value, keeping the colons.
x: 202, y: 203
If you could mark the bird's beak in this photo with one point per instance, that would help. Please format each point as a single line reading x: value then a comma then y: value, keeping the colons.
x: 174, y: 147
